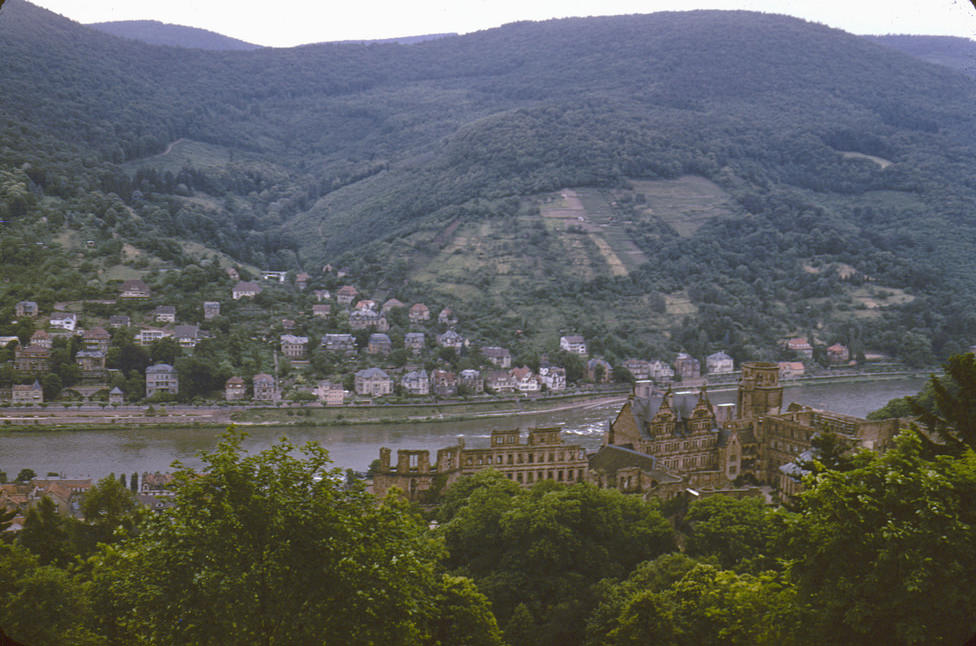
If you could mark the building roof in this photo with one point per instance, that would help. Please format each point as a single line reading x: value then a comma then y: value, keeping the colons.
x: 186, y: 331
x: 372, y: 373
x: 611, y: 458
x: 134, y: 284
x: 160, y: 367
x: 262, y: 377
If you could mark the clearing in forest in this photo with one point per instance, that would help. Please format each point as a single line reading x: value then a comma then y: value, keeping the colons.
x: 880, y: 161
x: 183, y: 153
x: 590, y: 212
x: 686, y: 203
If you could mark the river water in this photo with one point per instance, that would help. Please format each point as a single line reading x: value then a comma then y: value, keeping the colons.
x: 95, y: 454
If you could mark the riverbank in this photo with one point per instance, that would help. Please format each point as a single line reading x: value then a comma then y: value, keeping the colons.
x: 66, y: 418
x: 90, y: 451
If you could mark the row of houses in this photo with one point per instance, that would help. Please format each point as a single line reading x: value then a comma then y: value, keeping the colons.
x: 837, y: 353
x: 375, y: 382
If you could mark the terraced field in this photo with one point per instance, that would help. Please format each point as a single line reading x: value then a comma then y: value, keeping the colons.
x: 685, y: 203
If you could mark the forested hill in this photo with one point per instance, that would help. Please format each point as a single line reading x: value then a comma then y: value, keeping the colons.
x: 154, y: 32
x: 837, y: 169
x: 957, y: 53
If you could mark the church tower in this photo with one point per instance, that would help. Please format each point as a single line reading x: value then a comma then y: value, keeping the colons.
x: 759, y: 390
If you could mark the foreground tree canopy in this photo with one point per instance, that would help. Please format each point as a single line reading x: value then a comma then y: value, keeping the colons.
x: 272, y: 549
x: 278, y: 548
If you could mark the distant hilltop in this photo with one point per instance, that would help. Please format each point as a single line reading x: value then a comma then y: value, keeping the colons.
x: 153, y: 32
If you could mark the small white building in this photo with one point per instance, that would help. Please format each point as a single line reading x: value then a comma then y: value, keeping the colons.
x: 573, y: 343
x: 64, y: 320
x: 719, y: 364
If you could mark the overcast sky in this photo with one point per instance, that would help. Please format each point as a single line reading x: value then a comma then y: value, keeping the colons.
x: 284, y: 23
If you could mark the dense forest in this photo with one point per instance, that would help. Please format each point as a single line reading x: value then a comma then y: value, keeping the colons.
x: 279, y: 548
x: 843, y: 163
x: 154, y: 32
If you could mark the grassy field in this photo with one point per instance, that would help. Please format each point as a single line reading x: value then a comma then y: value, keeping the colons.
x: 183, y: 152
x: 406, y: 413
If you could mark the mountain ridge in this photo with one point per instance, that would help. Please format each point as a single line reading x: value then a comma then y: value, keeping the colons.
x: 154, y: 32
x: 368, y: 155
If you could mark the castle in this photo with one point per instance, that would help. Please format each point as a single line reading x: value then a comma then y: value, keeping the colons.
x: 544, y: 456
x: 659, y: 444
x: 711, y: 449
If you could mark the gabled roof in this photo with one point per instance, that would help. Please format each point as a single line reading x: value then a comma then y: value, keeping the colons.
x: 611, y: 458
x: 186, y: 331
x: 372, y: 373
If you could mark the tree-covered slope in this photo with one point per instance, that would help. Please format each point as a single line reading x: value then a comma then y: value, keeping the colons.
x: 957, y: 53
x: 154, y: 32
x: 844, y: 164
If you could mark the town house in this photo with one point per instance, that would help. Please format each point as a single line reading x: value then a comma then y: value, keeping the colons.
x: 161, y: 378
x: 294, y: 347
x: 373, y: 382
x: 416, y: 382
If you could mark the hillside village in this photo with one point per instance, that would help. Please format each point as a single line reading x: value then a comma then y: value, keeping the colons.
x: 286, y: 336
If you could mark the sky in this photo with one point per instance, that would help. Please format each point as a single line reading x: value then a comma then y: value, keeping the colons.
x: 286, y: 23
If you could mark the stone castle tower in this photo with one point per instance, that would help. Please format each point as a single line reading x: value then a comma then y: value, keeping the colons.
x: 759, y: 390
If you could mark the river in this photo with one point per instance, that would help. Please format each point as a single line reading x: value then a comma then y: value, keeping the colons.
x: 95, y: 454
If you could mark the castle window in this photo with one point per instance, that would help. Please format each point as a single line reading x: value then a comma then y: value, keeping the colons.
x: 521, y: 458
x: 511, y: 459
x: 520, y: 477
x: 413, y: 461
x: 559, y: 476
x: 531, y: 457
